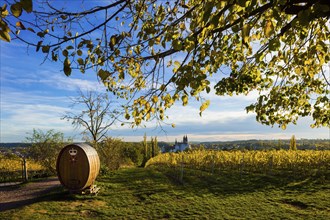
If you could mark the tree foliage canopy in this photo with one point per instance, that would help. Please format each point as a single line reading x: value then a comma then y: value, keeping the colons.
x: 154, y: 53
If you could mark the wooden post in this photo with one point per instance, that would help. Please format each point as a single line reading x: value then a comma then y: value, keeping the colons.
x: 213, y: 164
x: 25, y: 173
x: 241, y: 166
x: 271, y: 165
x: 23, y: 169
x: 181, y: 173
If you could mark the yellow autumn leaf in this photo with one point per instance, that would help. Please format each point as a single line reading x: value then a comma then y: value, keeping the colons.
x: 268, y: 28
x: 205, y: 105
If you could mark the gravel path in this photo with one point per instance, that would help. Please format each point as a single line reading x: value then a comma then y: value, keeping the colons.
x: 16, y: 196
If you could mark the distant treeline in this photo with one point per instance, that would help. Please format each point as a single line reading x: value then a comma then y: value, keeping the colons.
x: 23, y: 145
x: 14, y: 145
x: 229, y: 145
x: 302, y: 144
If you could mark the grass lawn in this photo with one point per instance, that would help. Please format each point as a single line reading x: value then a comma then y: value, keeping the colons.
x: 138, y: 193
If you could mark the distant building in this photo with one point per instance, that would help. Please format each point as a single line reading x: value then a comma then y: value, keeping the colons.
x: 178, y: 146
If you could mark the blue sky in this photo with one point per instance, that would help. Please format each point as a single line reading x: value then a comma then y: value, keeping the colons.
x: 36, y: 95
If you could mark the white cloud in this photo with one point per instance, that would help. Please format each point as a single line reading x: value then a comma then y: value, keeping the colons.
x: 22, y: 112
x: 25, y: 117
x: 181, y: 115
x: 52, y: 79
x: 74, y: 84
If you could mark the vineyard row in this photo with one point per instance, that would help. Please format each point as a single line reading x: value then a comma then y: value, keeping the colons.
x: 247, y: 161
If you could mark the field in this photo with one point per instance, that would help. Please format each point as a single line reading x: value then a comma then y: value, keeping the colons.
x: 200, y: 185
x: 147, y: 193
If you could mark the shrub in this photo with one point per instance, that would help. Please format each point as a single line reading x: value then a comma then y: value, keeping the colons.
x: 45, y: 147
x: 114, y: 153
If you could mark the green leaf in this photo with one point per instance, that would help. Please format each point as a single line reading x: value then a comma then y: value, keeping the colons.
x: 79, y: 52
x: 41, y: 34
x: 4, y: 36
x: 246, y: 33
x: 103, y: 74
x: 54, y: 56
x: 64, y: 17
x: 80, y: 61
x: 207, y: 11
x: 113, y: 41
x: 65, y: 53
x: 184, y: 100
x: 208, y: 89
x: 30, y: 29
x: 268, y: 29
x: 16, y: 9
x: 304, y: 17
x: 70, y: 47
x: 274, y: 44
x: 4, y: 12
x: 27, y: 5
x: 151, y: 43
x: 259, y: 57
x: 235, y: 28
x: 45, y: 49
x: 67, y: 67
x: 242, y: 3
x: 177, y: 44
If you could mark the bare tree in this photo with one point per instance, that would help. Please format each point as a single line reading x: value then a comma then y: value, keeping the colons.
x: 97, y: 116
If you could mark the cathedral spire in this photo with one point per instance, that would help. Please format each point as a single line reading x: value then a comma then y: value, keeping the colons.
x: 185, y: 139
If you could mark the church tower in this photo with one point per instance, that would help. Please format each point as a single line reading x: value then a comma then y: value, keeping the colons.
x: 185, y: 139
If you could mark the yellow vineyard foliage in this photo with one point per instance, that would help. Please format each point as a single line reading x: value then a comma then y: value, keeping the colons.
x: 249, y: 160
x: 15, y: 164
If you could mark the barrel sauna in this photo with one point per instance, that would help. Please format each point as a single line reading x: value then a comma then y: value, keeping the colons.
x: 77, y: 166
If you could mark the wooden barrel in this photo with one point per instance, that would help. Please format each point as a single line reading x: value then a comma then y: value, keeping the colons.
x: 77, y: 166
